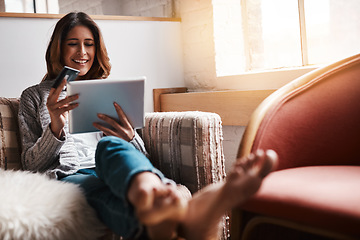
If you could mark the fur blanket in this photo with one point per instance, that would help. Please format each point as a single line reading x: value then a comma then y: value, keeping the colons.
x: 34, y: 207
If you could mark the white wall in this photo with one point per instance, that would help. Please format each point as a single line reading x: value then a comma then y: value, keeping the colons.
x: 136, y: 48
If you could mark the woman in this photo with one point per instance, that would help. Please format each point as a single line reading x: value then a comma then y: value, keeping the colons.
x: 118, y: 180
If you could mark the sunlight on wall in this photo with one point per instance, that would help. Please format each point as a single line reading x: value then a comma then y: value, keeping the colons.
x: 229, y: 53
x: 198, y: 44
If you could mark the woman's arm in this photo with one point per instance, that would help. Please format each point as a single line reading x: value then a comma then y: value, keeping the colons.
x: 40, y: 148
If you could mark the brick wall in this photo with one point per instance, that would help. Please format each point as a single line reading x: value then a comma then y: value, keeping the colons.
x: 210, y: 43
x: 89, y: 6
x: 148, y: 8
x: 198, y: 43
x: 2, y: 6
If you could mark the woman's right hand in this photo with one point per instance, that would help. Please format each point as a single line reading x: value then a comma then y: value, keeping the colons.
x: 58, y: 109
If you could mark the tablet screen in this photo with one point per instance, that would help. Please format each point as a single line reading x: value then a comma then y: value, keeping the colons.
x: 98, y: 96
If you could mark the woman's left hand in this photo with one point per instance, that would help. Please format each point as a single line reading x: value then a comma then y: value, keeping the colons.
x: 119, y: 128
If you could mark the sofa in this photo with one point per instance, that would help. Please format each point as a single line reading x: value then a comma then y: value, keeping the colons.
x: 185, y: 146
x: 313, y: 125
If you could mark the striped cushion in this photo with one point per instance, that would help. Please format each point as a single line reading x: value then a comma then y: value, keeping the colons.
x: 9, y: 134
x: 186, y: 146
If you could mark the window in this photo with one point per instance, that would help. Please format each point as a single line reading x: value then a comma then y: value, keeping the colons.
x: 288, y: 33
x: 32, y: 6
x: 23, y: 6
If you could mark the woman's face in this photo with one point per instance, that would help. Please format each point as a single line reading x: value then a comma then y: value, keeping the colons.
x: 79, y: 49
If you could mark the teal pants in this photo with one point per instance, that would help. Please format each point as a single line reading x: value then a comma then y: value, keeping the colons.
x: 105, y: 186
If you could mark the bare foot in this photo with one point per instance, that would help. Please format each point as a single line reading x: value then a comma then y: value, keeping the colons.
x: 208, y: 206
x: 154, y: 201
x: 168, y: 229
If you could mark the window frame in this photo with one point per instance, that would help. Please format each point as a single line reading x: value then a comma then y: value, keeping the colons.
x: 302, y: 28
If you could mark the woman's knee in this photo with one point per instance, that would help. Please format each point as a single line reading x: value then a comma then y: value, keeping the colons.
x: 110, y: 140
x: 113, y: 150
x: 110, y: 144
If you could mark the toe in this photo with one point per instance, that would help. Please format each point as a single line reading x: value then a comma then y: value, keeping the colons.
x: 269, y: 164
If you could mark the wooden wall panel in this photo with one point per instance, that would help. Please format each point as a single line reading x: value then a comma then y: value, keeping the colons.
x: 234, y: 107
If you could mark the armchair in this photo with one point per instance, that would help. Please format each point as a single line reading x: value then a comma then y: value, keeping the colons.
x: 313, y: 124
x: 186, y: 147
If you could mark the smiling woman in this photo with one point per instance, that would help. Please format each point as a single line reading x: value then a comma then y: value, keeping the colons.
x: 79, y: 38
x: 79, y: 49
x: 43, y: 110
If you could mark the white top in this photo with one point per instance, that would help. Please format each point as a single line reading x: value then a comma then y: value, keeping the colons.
x: 85, y: 144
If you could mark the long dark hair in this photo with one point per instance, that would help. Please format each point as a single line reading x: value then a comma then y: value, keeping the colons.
x: 101, y: 66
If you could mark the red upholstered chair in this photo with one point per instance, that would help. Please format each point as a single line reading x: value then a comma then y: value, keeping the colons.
x: 313, y: 123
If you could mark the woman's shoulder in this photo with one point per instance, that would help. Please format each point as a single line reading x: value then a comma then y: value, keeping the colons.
x: 44, y: 86
x: 37, y: 91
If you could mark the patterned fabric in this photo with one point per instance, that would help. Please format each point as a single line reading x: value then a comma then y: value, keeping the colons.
x: 186, y: 146
x: 10, y: 151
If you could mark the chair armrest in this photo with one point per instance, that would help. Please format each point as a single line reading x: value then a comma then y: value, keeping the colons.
x: 10, y: 146
x: 186, y: 146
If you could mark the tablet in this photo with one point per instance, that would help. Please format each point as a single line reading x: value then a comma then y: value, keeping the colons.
x: 98, y: 96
